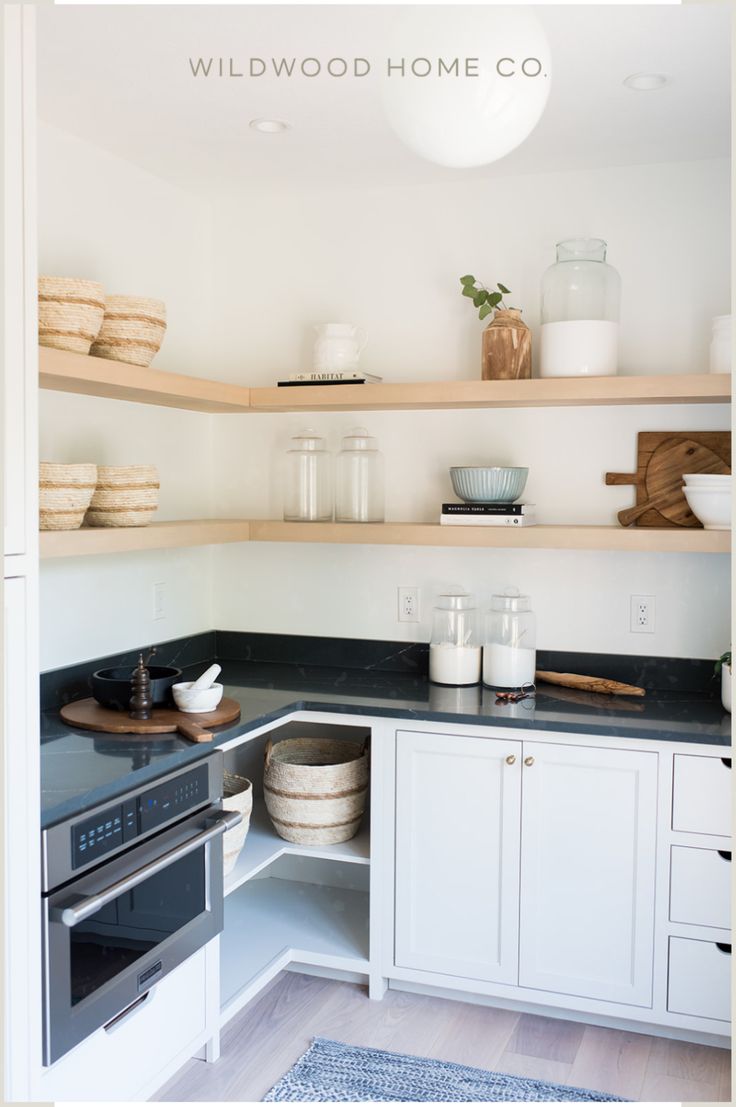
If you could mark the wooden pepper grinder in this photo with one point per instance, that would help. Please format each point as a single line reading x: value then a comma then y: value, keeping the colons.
x: 141, y: 702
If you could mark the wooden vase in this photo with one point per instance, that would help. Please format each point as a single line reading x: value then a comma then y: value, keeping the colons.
x: 507, y: 348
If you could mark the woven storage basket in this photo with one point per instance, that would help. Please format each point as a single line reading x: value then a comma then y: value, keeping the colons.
x: 315, y: 788
x: 125, y: 496
x: 70, y: 312
x: 132, y: 330
x: 64, y: 494
x: 238, y: 797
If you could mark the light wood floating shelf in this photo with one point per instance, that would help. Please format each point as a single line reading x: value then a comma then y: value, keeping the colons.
x: 94, y: 376
x: 157, y: 536
x: 678, y: 388
x: 666, y: 539
x: 61, y: 371
x: 204, y: 532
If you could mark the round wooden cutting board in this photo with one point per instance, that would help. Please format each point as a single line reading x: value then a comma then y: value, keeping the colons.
x: 664, y: 476
x: 90, y: 715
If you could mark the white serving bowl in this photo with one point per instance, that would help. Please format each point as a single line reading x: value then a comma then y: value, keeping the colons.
x: 196, y: 702
x: 711, y: 506
x: 707, y: 480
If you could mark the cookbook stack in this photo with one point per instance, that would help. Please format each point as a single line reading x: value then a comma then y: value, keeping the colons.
x: 488, y: 515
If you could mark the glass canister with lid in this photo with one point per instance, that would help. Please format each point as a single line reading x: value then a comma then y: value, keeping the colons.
x: 359, y: 495
x: 509, y: 650
x: 308, y: 495
x: 455, y: 646
x: 581, y: 296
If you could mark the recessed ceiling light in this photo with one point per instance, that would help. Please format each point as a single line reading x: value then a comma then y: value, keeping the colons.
x: 269, y: 126
x: 645, y: 82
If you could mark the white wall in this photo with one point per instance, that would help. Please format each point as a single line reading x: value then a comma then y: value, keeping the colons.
x: 244, y: 280
x: 103, y: 218
x: 390, y: 261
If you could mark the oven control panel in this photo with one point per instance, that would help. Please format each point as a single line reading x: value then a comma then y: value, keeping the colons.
x: 98, y: 835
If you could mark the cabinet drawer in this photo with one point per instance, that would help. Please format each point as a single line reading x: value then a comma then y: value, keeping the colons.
x: 700, y: 887
x: 699, y: 979
x: 701, y: 802
x: 128, y: 1056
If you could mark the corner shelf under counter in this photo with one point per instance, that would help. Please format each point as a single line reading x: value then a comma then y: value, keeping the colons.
x: 263, y: 846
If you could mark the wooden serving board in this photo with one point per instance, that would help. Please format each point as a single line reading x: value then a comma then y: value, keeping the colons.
x: 662, y: 458
x: 90, y: 715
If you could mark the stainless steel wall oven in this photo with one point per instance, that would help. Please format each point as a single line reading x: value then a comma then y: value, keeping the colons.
x: 130, y: 890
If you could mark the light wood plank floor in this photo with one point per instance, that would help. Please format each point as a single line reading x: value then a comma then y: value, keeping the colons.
x: 265, y: 1040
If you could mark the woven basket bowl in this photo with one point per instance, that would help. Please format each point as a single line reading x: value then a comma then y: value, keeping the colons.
x: 316, y: 788
x: 70, y: 312
x: 132, y: 330
x: 238, y: 797
x: 64, y: 494
x: 125, y: 496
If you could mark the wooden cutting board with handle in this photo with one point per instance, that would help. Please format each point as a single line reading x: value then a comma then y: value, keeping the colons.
x: 90, y: 715
x: 663, y: 458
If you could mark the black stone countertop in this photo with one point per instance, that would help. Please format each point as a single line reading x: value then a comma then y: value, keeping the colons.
x: 80, y: 769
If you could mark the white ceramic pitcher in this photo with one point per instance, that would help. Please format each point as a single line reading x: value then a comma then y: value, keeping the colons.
x: 337, y: 348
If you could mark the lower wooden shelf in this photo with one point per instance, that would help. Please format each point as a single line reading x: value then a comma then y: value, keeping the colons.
x: 204, y: 532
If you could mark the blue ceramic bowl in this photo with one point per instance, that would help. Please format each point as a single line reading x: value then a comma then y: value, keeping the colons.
x: 488, y: 484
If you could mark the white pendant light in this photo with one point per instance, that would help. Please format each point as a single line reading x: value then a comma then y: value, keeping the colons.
x: 445, y: 113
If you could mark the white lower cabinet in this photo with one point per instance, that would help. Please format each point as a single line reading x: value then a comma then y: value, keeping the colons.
x: 587, y: 872
x: 527, y: 864
x: 700, y: 887
x: 125, y: 1059
x: 457, y: 851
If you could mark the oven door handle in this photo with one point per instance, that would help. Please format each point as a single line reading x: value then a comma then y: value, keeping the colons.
x: 71, y: 916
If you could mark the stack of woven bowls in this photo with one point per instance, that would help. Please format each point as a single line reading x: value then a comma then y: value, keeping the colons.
x: 64, y: 494
x: 125, y: 496
x: 75, y: 314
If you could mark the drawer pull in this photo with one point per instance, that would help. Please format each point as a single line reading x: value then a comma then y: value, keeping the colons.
x: 124, y: 1015
x: 724, y: 947
x: 511, y: 759
x: 725, y: 854
x: 529, y: 761
x: 726, y: 761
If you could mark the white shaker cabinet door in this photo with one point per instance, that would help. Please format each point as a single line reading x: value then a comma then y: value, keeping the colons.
x: 587, y: 873
x: 457, y: 855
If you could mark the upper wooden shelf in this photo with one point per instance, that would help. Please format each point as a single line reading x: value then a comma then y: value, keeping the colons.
x: 203, y: 532
x: 93, y: 376
x: 96, y: 376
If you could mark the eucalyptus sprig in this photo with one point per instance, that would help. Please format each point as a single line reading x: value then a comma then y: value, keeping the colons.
x: 724, y: 659
x: 483, y: 298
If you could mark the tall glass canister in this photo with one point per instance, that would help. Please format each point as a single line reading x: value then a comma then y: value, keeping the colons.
x: 581, y: 296
x: 509, y: 650
x: 359, y: 496
x: 454, y: 648
x: 308, y: 495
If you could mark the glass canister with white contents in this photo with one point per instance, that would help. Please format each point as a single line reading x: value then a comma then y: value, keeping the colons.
x: 509, y: 650
x: 308, y: 494
x: 581, y: 296
x: 455, y: 646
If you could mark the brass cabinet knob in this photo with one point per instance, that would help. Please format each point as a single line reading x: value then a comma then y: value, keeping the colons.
x: 529, y: 761
x: 511, y: 759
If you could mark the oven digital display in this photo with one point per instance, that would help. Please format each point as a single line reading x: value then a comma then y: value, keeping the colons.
x: 174, y: 798
x: 95, y: 837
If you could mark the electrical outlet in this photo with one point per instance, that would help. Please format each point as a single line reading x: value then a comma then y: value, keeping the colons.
x: 642, y: 614
x: 408, y: 605
x: 159, y: 600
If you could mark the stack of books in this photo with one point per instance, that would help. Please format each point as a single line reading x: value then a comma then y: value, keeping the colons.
x: 488, y: 515
x: 345, y: 376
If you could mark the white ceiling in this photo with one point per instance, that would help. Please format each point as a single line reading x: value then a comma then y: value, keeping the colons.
x: 119, y: 77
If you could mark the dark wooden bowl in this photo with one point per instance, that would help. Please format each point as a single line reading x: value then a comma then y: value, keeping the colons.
x: 111, y: 687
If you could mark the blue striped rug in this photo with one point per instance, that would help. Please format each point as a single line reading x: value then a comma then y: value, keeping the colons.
x: 331, y: 1072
